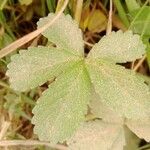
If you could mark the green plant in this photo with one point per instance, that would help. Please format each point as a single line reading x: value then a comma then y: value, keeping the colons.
x: 117, y: 95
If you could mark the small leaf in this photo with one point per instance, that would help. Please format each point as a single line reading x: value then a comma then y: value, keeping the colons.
x: 62, y: 107
x: 64, y: 33
x: 119, y: 47
x: 140, y: 127
x: 120, y: 89
x: 35, y: 66
x: 98, y: 135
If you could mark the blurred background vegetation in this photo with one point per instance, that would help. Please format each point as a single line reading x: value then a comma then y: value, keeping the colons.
x: 19, y: 17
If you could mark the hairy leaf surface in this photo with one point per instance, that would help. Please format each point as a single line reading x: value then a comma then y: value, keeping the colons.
x: 120, y: 89
x: 62, y: 107
x: 98, y: 135
x: 119, y: 47
x: 64, y: 33
x: 37, y: 65
x: 122, y: 96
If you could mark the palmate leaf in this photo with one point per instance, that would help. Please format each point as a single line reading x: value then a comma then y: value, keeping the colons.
x: 118, y: 88
x: 98, y: 135
x: 62, y: 107
x: 37, y: 65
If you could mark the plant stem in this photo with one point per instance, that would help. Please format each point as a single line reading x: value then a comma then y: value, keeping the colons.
x: 30, y: 143
x: 5, y: 126
x: 78, y: 11
x: 109, y: 24
x: 139, y: 63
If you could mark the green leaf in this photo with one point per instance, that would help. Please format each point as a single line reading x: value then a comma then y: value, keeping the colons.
x: 62, y: 107
x: 140, y: 24
x: 119, y: 47
x: 98, y: 135
x: 120, y: 89
x: 64, y: 33
x: 37, y: 65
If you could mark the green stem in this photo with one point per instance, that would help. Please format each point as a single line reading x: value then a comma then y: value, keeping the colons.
x: 121, y: 12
